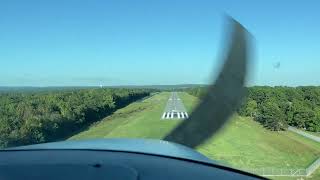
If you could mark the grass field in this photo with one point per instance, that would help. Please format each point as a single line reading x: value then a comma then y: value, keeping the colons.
x: 137, y: 120
x: 243, y: 143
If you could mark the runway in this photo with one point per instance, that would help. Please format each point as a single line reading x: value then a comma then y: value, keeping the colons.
x: 174, y: 108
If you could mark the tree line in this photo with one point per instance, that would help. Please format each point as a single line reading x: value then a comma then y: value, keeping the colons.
x: 278, y: 107
x: 37, y: 117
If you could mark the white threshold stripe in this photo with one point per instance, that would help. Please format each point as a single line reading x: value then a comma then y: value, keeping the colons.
x: 174, y: 115
x: 164, y: 115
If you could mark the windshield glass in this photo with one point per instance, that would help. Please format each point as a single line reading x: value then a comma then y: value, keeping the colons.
x: 74, y: 70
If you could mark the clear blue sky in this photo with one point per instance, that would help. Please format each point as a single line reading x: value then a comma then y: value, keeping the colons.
x: 88, y: 42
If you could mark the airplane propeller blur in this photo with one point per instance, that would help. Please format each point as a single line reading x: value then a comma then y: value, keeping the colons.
x: 223, y: 96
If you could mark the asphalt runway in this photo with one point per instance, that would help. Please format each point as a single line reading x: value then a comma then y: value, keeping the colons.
x: 174, y: 108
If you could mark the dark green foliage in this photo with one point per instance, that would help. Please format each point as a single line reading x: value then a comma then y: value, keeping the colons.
x: 198, y: 92
x: 278, y: 107
x: 28, y: 118
x: 271, y: 116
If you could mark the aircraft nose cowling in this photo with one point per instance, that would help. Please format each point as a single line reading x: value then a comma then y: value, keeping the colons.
x: 146, y: 146
x: 83, y: 172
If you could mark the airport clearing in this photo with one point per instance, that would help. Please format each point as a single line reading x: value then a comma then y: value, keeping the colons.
x: 243, y: 143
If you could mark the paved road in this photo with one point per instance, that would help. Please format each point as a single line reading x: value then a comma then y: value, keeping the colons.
x: 315, y: 165
x: 174, y: 108
x: 310, y: 136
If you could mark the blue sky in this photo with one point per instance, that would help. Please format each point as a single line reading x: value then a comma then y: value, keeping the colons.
x: 58, y: 43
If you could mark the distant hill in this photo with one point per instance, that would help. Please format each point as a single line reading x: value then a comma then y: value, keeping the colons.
x: 162, y: 87
x: 39, y: 89
x: 59, y: 88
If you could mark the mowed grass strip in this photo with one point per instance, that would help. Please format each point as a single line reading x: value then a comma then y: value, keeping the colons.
x: 138, y: 120
x: 242, y: 143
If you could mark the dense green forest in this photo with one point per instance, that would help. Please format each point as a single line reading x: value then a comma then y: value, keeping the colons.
x: 41, y: 116
x: 277, y: 107
x: 36, y: 117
